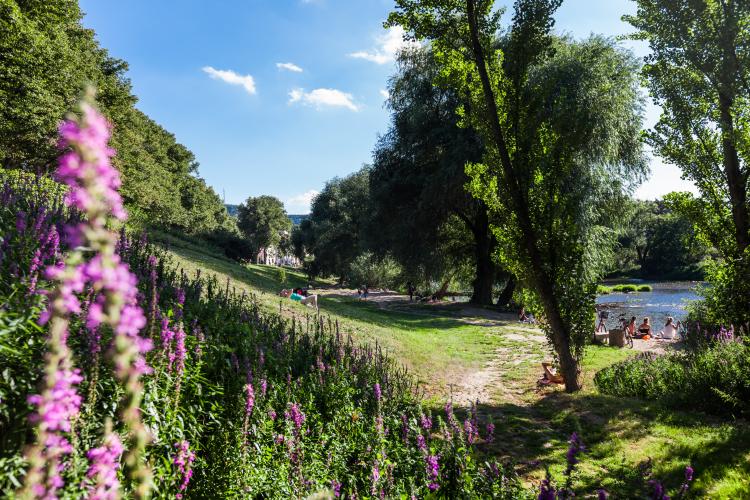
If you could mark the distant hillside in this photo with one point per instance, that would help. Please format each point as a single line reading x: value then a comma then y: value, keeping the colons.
x: 296, y: 219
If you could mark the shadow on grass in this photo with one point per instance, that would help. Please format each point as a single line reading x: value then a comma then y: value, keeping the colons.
x: 370, y: 312
x: 628, y: 441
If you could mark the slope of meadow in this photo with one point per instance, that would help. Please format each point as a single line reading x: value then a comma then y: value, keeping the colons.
x: 472, y: 355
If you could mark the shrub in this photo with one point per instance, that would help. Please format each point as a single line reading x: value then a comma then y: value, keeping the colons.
x: 645, y: 288
x: 374, y: 272
x: 713, y: 379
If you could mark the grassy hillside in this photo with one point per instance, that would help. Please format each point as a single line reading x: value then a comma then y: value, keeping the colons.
x: 470, y: 354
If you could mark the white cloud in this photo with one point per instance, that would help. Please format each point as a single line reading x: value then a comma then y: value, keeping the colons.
x: 300, y: 204
x: 289, y: 67
x: 385, y: 94
x: 232, y: 78
x: 387, y: 46
x: 321, y: 98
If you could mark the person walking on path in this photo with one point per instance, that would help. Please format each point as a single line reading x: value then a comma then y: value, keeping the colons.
x: 410, y: 290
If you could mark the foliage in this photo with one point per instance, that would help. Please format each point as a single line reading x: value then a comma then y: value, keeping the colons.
x: 712, y: 378
x: 333, y: 233
x: 418, y: 169
x: 367, y: 269
x: 560, y: 123
x: 263, y: 222
x: 698, y: 73
x: 48, y: 58
x: 658, y: 241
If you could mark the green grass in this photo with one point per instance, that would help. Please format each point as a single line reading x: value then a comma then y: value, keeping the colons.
x: 446, y: 348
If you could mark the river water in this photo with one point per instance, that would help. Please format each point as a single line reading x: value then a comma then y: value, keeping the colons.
x: 666, y: 299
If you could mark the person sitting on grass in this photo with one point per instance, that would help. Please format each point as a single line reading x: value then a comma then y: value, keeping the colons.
x: 310, y: 300
x: 670, y: 329
x: 522, y: 317
x: 550, y: 375
x: 630, y: 328
x: 644, y: 330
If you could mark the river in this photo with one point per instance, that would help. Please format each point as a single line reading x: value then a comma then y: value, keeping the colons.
x: 668, y: 298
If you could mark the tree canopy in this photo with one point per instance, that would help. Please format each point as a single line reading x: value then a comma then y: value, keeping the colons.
x: 560, y: 122
x: 333, y: 233
x: 419, y: 170
x: 699, y: 73
x: 48, y: 59
x: 263, y: 222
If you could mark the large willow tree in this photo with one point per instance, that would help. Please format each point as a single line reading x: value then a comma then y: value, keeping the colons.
x: 560, y: 122
x: 699, y: 72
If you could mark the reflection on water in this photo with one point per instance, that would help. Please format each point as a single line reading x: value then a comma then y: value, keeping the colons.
x: 666, y: 299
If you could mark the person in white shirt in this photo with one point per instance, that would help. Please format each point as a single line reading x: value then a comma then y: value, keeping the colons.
x: 670, y: 329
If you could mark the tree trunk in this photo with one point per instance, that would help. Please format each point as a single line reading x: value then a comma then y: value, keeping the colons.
x: 559, y: 331
x: 507, y: 294
x: 735, y: 179
x: 484, y: 277
x: 443, y: 289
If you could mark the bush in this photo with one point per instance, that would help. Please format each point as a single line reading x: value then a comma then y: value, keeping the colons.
x: 713, y: 379
x: 367, y: 269
x: 645, y: 288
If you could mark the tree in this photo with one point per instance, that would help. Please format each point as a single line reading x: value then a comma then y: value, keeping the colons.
x: 560, y: 123
x: 263, y: 221
x: 332, y: 234
x: 699, y: 73
x: 48, y: 57
x: 419, y: 170
x: 658, y: 240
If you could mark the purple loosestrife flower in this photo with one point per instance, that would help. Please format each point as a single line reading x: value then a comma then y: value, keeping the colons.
x: 546, y: 491
x: 658, y: 493
x: 92, y: 188
x: 490, y: 432
x: 404, y: 428
x: 601, y: 494
x: 33, y: 270
x: 336, y: 487
x: 167, y: 336
x: 105, y: 461
x: 295, y: 416
x: 20, y: 222
x: 250, y: 401
x: 425, y: 422
x: 471, y: 434
x: 184, y: 460
x: 179, y: 349
x: 56, y: 407
x: 272, y: 414
x: 421, y: 443
x: 431, y: 463
x: 375, y: 478
x: 576, y: 447
x: 263, y: 387
x: 377, y: 392
x: 688, y: 478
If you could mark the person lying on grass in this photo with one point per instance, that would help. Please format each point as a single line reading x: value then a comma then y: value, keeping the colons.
x: 310, y: 300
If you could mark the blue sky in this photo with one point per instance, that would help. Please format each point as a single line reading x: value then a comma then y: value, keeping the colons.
x: 278, y: 96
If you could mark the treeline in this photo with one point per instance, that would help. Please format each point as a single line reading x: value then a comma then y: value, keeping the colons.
x: 48, y: 58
